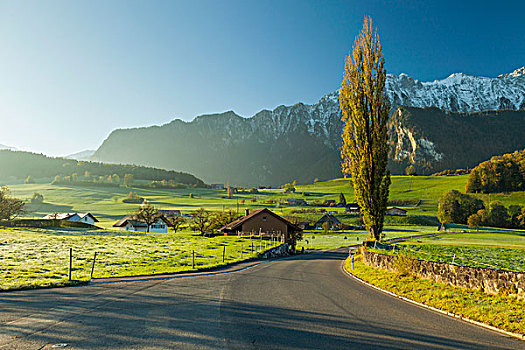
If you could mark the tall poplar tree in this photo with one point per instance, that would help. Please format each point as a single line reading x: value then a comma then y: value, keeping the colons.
x: 365, y: 109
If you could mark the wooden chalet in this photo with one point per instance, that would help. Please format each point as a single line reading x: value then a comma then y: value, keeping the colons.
x: 334, y: 222
x: 262, y: 223
x: 395, y: 211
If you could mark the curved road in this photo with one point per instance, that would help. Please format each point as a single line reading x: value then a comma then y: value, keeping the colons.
x: 303, y: 302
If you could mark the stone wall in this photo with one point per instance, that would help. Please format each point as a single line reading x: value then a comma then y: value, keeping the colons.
x: 276, y: 252
x: 487, y: 280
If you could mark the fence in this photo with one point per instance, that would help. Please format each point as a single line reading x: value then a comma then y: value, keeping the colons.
x: 79, y: 258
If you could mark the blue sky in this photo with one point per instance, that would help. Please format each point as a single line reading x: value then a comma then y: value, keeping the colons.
x: 73, y: 71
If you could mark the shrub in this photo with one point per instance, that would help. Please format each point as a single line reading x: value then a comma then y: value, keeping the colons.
x: 404, y: 263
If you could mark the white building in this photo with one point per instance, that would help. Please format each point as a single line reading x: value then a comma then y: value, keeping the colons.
x: 86, y: 218
x: 130, y: 223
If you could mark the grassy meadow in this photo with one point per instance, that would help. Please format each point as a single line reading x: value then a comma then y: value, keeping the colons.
x: 39, y: 257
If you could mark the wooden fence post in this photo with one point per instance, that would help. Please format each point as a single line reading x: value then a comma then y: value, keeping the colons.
x: 93, y: 266
x: 70, y: 261
x: 193, y: 259
x: 223, y: 252
x: 241, y: 251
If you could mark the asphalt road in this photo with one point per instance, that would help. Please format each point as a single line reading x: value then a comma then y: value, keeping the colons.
x: 304, y: 302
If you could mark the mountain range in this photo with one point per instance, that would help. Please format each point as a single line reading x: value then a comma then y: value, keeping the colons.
x: 301, y: 142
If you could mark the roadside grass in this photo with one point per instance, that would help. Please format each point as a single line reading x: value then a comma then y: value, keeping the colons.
x: 40, y: 257
x: 504, y: 312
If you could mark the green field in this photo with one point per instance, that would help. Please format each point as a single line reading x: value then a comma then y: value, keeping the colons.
x: 106, y: 202
x: 503, y: 250
x: 33, y: 257
x: 40, y: 257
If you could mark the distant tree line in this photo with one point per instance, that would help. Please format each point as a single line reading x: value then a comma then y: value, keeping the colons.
x: 459, y: 208
x: 26, y: 165
x: 499, y: 174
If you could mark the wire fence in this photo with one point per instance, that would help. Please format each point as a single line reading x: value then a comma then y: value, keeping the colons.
x: 63, y: 259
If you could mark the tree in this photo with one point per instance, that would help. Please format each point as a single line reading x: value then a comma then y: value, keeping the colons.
x: 148, y: 214
x: 410, y: 170
x: 10, y: 207
x: 498, y: 215
x: 365, y: 107
x: 176, y: 222
x: 220, y: 219
x: 200, y: 220
x: 29, y: 180
x: 326, y: 226
x: 342, y: 199
x: 229, y: 190
x: 456, y: 207
x: 37, y: 198
x: 128, y: 179
x: 474, y: 221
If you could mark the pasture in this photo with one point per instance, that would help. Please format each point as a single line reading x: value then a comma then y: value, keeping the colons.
x: 40, y: 257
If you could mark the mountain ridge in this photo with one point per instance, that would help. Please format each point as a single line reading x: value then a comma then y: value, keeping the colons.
x: 298, y: 128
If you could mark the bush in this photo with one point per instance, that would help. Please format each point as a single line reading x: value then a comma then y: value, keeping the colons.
x: 404, y: 263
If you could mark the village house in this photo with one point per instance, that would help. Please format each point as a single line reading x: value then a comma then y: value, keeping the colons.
x: 168, y: 213
x: 86, y: 218
x: 332, y: 220
x: 395, y: 211
x: 352, y: 208
x: 263, y: 223
x: 296, y: 201
x: 130, y: 223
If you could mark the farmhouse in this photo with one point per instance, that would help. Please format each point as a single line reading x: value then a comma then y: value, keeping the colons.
x: 352, y: 208
x: 334, y: 222
x: 395, y: 211
x: 130, y: 223
x: 265, y: 223
x: 86, y: 218
x: 169, y: 213
x: 296, y: 201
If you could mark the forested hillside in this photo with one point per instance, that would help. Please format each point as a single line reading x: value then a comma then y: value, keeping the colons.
x: 499, y: 174
x: 20, y: 165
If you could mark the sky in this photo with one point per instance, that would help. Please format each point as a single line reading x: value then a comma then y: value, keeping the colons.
x: 73, y: 71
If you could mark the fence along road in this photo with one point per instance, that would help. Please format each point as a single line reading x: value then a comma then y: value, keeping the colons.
x: 303, y: 302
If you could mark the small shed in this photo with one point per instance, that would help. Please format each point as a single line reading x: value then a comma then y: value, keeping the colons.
x: 296, y: 201
x: 395, y: 211
x: 352, y: 208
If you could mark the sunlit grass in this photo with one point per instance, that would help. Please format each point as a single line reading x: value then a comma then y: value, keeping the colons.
x: 505, y: 312
x: 40, y: 257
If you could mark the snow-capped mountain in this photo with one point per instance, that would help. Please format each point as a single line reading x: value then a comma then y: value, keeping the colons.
x: 302, y: 141
x: 459, y: 92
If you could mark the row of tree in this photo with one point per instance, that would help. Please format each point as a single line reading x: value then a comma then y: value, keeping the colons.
x: 201, y: 220
x: 23, y: 164
x: 499, y: 174
x: 459, y: 208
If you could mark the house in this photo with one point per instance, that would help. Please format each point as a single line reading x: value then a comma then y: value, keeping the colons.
x: 217, y: 186
x: 304, y: 225
x: 130, y: 223
x: 265, y: 223
x: 86, y: 218
x: 352, y: 208
x: 395, y: 211
x: 334, y: 222
x: 296, y: 201
x: 169, y: 213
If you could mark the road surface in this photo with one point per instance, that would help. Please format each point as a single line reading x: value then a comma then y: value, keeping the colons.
x: 302, y: 302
